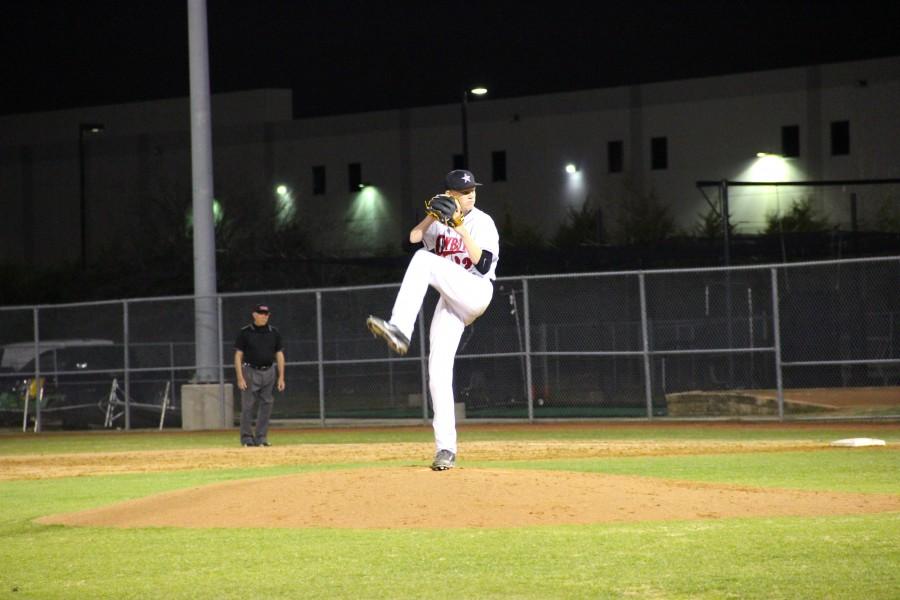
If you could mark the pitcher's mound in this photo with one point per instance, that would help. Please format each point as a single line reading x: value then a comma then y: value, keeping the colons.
x: 417, y: 497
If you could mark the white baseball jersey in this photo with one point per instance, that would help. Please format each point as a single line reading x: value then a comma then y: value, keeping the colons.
x: 445, y: 242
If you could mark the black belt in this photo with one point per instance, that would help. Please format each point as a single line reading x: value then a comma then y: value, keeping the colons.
x: 258, y: 367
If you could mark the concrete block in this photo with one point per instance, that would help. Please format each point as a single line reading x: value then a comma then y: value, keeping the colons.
x: 201, y: 406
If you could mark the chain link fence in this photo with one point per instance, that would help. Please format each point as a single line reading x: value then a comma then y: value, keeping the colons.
x: 803, y: 340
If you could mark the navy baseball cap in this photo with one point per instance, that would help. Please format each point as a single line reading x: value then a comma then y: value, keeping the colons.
x: 460, y: 179
x: 262, y: 309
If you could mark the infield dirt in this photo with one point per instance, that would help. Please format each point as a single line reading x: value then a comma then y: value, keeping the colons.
x: 403, y: 492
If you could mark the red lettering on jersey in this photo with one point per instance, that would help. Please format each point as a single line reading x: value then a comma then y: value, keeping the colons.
x: 446, y: 245
x: 452, y: 247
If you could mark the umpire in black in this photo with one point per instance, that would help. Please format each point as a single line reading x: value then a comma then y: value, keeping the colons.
x: 258, y: 353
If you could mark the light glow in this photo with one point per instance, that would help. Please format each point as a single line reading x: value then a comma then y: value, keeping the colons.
x: 574, y: 185
x: 478, y: 91
x: 285, y: 206
x: 749, y: 206
x: 769, y: 167
x: 91, y: 127
x: 369, y: 227
x: 368, y: 205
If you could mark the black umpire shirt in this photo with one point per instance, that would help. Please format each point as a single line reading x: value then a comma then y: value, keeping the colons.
x: 259, y: 344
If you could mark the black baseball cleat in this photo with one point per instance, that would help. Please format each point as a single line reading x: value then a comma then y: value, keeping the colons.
x: 443, y: 460
x: 390, y: 333
x: 263, y: 443
x: 248, y: 444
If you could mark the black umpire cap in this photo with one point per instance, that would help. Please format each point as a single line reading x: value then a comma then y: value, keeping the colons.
x: 262, y: 309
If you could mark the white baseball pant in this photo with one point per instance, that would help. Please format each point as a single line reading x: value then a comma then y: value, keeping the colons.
x: 464, y: 297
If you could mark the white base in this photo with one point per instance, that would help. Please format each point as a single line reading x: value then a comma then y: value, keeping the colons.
x: 858, y: 442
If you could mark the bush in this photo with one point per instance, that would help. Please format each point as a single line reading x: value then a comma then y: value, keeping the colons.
x: 645, y: 221
x: 514, y: 235
x: 801, y: 218
x: 710, y: 225
x: 887, y: 217
x: 582, y: 227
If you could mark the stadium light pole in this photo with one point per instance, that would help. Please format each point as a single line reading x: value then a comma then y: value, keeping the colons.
x: 475, y: 91
x: 207, y: 336
x: 84, y: 129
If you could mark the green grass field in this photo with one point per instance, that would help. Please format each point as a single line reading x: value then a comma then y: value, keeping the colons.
x: 823, y: 557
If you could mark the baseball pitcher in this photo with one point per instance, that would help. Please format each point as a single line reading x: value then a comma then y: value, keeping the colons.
x: 461, y: 247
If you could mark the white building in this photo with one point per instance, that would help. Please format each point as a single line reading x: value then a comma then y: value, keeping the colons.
x: 835, y: 122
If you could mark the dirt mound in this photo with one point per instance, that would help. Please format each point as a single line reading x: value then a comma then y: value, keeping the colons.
x: 415, y: 497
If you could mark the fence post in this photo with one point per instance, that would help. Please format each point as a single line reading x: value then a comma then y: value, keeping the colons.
x: 321, y: 358
x: 126, y: 376
x: 423, y: 367
x: 221, y: 336
x: 528, y: 373
x: 645, y: 336
x: 726, y: 223
x: 172, y: 370
x: 37, y: 372
x: 776, y: 333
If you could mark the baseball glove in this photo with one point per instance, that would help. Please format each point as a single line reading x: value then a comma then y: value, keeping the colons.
x: 444, y: 208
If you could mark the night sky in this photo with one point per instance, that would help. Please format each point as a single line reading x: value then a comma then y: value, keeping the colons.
x: 346, y: 56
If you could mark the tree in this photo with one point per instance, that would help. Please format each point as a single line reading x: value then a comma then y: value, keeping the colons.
x: 801, y: 218
x: 710, y: 225
x: 582, y: 227
x: 519, y: 236
x: 644, y: 220
x: 887, y: 216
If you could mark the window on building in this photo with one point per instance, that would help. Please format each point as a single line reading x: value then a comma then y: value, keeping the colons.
x: 318, y: 180
x: 354, y: 176
x: 498, y: 165
x: 458, y: 162
x: 615, y: 156
x: 840, y: 138
x: 790, y: 140
x: 659, y: 153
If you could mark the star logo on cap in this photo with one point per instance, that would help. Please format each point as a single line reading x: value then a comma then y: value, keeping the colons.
x: 467, y: 178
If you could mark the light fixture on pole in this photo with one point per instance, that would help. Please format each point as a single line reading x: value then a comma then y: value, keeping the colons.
x: 475, y: 91
x: 84, y: 129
